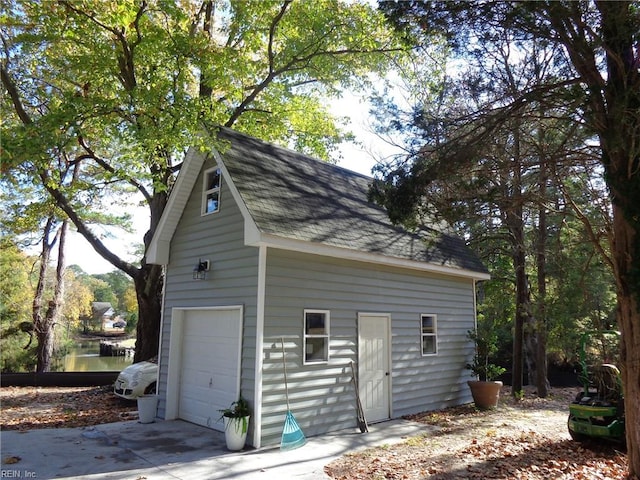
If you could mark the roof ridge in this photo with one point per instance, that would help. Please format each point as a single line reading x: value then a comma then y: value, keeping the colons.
x: 307, y: 157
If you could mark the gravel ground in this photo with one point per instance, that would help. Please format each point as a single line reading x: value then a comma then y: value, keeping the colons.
x: 525, y: 439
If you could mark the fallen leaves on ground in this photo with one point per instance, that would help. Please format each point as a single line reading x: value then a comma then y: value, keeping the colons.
x: 25, y: 408
x: 525, y: 439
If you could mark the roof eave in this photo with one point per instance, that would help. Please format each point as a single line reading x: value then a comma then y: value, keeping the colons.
x: 158, y: 250
x: 159, y: 247
x: 284, y: 243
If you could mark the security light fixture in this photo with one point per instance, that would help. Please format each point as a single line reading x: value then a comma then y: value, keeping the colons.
x: 201, y: 269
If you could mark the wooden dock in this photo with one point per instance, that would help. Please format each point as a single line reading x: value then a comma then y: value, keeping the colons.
x: 114, y: 349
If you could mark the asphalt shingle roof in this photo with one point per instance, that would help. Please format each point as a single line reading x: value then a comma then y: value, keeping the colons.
x: 298, y: 197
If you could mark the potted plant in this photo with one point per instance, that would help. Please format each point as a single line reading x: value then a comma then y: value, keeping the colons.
x: 236, y: 423
x: 486, y: 390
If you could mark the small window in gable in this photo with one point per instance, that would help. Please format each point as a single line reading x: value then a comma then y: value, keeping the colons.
x: 429, y: 331
x: 211, y: 191
x: 316, y: 336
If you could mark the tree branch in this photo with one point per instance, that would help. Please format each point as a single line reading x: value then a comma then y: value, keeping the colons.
x: 64, y: 204
x: 125, y: 61
x: 205, y: 89
x: 595, y: 239
x: 296, y: 63
x: 11, y: 88
x: 100, y: 161
x: 272, y: 33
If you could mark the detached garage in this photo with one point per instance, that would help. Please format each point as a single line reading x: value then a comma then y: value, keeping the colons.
x: 265, y: 248
x: 204, y: 355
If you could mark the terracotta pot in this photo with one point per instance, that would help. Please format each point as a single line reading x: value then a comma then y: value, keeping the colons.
x: 485, y: 394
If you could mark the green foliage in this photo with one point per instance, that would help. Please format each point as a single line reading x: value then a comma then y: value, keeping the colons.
x: 15, y: 357
x: 104, y: 98
x: 581, y: 291
x: 117, y: 283
x: 103, y: 292
x: 239, y: 411
x: 17, y: 351
x: 130, y: 308
x: 464, y: 144
x: 77, y: 301
x: 496, y: 301
x: 486, y: 345
x: 126, y: 77
x: 113, y: 287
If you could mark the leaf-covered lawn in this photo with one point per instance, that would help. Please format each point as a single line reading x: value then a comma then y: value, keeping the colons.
x: 525, y: 440
x: 24, y: 408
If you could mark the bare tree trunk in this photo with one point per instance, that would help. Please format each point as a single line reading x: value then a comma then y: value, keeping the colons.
x: 530, y: 347
x: 541, y: 381
x: 516, y: 227
x: 39, y: 323
x: 629, y: 324
x: 514, y: 219
x: 532, y: 344
x: 148, y: 284
x: 44, y: 320
x: 621, y: 158
x: 205, y: 84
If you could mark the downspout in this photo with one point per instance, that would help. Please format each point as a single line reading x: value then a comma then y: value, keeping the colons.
x: 257, y: 400
x: 162, y: 398
x: 475, y: 309
x: 475, y: 304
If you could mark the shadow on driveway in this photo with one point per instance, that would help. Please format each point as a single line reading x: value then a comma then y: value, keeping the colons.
x: 177, y: 450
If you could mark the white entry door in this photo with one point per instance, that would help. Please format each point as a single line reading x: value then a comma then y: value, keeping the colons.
x: 210, y: 365
x: 373, y: 365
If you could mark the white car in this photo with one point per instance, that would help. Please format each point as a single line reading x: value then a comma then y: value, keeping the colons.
x: 136, y: 380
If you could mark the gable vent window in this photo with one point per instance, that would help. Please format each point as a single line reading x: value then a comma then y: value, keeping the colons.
x: 316, y: 336
x: 429, y: 326
x: 211, y: 191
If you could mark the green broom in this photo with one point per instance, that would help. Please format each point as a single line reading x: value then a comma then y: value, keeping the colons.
x: 292, y: 436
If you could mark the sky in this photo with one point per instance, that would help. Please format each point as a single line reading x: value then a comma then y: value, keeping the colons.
x: 359, y: 158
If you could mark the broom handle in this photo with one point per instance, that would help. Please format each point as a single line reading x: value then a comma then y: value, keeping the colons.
x: 284, y: 365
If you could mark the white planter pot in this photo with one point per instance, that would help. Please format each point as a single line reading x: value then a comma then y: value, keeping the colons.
x: 147, y: 405
x: 235, y: 432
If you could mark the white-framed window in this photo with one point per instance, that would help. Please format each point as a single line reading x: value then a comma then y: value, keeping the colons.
x: 316, y: 336
x: 429, y: 334
x: 211, y: 191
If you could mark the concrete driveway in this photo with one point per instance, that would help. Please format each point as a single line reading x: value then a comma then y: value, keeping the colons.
x: 177, y: 450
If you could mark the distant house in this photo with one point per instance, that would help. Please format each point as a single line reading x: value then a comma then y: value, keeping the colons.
x: 102, y: 315
x: 263, y: 247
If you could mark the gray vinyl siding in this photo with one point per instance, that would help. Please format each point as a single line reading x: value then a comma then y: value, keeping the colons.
x: 232, y: 279
x: 322, y: 396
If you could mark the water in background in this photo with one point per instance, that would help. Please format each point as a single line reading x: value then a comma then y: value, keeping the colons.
x: 85, y: 357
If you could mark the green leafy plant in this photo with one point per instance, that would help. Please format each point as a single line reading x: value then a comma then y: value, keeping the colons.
x: 486, y: 344
x: 240, y: 411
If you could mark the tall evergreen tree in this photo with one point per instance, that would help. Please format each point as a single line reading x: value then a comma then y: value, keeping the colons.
x: 599, y: 84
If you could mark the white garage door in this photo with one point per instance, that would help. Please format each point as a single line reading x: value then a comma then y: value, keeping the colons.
x: 210, y: 365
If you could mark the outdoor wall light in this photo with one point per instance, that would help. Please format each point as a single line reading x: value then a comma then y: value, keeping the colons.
x: 201, y: 269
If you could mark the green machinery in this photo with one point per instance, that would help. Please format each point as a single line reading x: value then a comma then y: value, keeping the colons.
x: 598, y: 411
